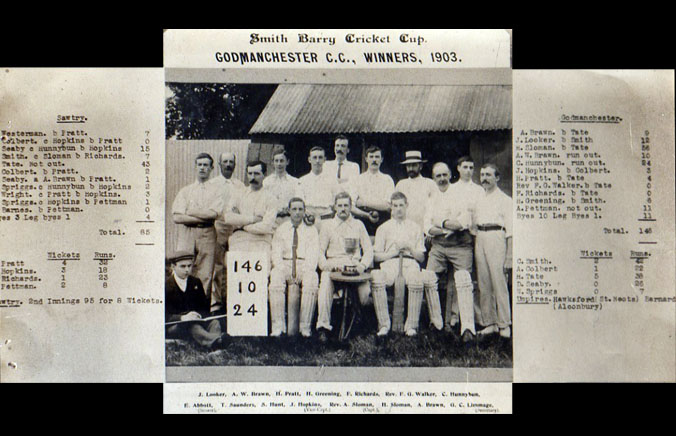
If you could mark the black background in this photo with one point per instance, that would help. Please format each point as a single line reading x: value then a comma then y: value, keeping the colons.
x: 549, y: 36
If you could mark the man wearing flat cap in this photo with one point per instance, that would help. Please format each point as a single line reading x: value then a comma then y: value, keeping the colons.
x: 418, y: 189
x: 185, y: 304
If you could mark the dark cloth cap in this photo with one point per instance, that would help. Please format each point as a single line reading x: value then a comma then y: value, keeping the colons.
x: 180, y: 255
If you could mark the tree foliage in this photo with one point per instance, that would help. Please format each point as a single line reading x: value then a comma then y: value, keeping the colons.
x: 213, y: 110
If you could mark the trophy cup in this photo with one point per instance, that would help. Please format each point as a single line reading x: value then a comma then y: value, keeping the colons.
x: 350, y: 268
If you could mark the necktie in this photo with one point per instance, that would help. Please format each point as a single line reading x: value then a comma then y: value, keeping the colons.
x: 294, y: 251
x: 340, y: 164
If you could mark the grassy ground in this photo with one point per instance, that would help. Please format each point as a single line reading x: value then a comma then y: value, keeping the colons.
x: 363, y: 348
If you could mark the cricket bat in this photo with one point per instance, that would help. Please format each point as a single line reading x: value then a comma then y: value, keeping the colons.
x: 399, y: 294
x: 209, y: 318
x: 292, y: 309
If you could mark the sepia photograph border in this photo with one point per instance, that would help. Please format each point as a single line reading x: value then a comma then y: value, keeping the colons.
x: 321, y: 78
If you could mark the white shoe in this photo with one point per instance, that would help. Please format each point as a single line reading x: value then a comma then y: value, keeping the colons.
x: 506, y: 332
x: 305, y: 334
x: 383, y: 331
x: 491, y: 329
x: 411, y: 332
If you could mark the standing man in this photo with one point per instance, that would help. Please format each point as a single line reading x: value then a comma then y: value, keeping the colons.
x: 227, y: 162
x: 229, y: 187
x: 195, y: 209
x: 252, y: 214
x: 447, y: 222
x: 340, y: 167
x: 295, y: 252
x: 470, y: 192
x: 318, y: 189
x: 494, y: 253
x: 371, y: 192
x: 280, y: 184
x: 333, y: 257
x: 418, y: 189
x: 401, y: 236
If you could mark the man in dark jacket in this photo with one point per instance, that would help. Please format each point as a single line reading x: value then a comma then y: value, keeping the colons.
x: 186, y: 301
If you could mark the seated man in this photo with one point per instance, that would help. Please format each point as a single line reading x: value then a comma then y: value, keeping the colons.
x: 185, y: 300
x: 401, y: 236
x: 295, y: 248
x: 333, y: 257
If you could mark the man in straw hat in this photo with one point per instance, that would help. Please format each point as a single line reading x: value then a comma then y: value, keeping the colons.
x: 418, y: 189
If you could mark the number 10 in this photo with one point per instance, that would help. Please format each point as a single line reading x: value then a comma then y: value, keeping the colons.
x: 251, y: 287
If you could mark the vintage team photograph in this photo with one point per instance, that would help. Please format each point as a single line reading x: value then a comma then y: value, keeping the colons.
x: 338, y: 225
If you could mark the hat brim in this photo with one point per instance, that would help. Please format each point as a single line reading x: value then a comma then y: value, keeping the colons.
x: 410, y: 161
x: 180, y: 256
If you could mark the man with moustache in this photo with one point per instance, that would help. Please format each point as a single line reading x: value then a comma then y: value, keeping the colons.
x: 280, y: 184
x: 252, y: 214
x: 318, y: 189
x: 371, y: 192
x: 228, y: 187
x: 195, y: 209
x: 340, y: 167
x: 447, y: 222
x: 418, y: 189
x: 493, y: 250
x: 333, y: 257
x: 295, y: 251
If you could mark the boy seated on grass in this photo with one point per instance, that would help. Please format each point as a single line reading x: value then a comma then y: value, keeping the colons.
x: 186, y: 301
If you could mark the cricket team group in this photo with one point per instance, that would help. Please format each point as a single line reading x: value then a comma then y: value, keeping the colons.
x: 337, y: 219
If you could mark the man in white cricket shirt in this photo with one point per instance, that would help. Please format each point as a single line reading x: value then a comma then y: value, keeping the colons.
x: 195, y: 209
x: 280, y: 184
x: 318, y: 189
x: 371, y: 192
x: 295, y: 253
x: 343, y: 169
x: 418, y: 189
x: 493, y: 251
x: 229, y: 187
x: 401, y: 236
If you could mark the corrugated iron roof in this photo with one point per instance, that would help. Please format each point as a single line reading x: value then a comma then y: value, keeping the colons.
x: 298, y: 108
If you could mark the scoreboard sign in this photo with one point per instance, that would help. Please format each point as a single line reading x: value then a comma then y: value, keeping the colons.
x: 247, y: 307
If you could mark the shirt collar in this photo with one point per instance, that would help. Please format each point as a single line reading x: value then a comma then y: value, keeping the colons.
x: 348, y: 221
x: 182, y: 283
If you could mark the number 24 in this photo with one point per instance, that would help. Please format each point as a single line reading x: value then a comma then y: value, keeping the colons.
x: 252, y: 310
